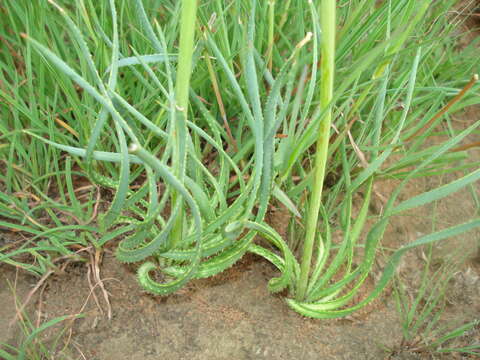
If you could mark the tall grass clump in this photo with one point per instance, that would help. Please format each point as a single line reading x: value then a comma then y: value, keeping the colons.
x: 187, y: 120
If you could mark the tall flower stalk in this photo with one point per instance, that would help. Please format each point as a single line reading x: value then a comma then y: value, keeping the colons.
x: 182, y: 86
x: 328, y: 24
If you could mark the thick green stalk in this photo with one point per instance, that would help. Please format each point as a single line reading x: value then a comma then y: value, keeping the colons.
x: 271, y: 33
x: 328, y: 24
x: 187, y: 42
x: 182, y: 86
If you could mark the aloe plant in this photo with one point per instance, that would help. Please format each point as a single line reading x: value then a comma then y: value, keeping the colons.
x: 313, y: 291
x: 197, y: 141
x: 177, y: 240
